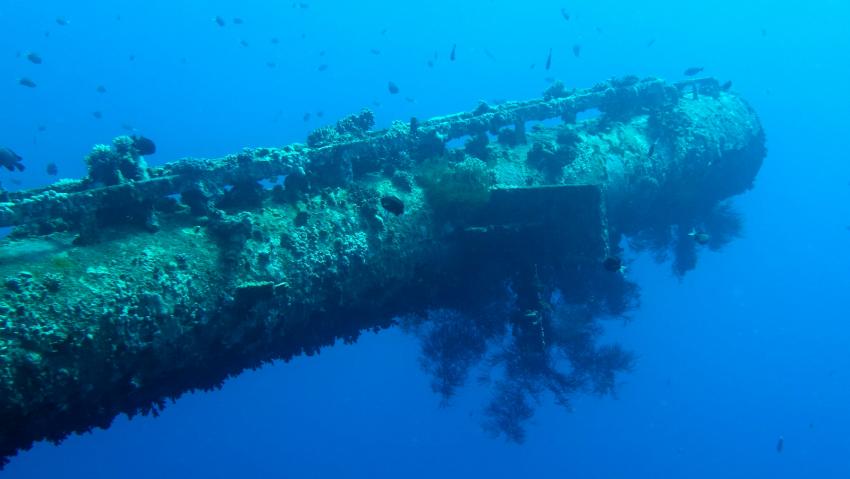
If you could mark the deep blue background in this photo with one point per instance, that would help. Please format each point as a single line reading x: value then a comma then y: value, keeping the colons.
x: 752, y: 345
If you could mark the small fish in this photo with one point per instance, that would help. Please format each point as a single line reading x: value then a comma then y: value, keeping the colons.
x: 237, y: 21
x: 701, y: 237
x: 490, y: 55
x: 27, y: 82
x: 275, y: 40
x: 322, y: 53
x: 689, y: 72
x: 549, y: 59
x: 132, y: 57
x: 764, y: 32
x: 97, y: 114
x: 384, y: 31
x: 651, y: 151
x: 243, y: 43
x: 651, y: 42
x: 323, y: 67
x: 271, y: 64
x: 34, y: 58
x: 577, y: 49
x: 565, y: 14
x: 392, y: 88
x: 780, y: 444
x: 100, y: 89
x: 62, y: 21
x: 430, y: 63
x: 453, y: 54
x: 375, y: 51
x: 306, y: 117
x: 220, y: 21
x: 613, y: 264
x: 128, y: 127
x: 184, y: 61
x: 320, y: 114
x: 42, y: 128
x: 726, y: 85
x: 410, y: 99
x: 52, y: 169
x: 10, y: 160
x: 145, y: 146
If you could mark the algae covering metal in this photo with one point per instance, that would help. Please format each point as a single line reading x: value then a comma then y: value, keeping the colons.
x: 134, y: 285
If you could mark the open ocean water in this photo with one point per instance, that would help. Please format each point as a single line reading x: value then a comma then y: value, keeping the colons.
x: 750, y: 348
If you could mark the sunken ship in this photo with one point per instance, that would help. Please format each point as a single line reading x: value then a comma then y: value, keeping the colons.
x: 129, y: 287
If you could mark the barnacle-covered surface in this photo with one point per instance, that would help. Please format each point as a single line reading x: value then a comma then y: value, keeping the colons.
x: 134, y: 285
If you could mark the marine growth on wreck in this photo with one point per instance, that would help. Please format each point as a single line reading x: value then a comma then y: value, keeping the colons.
x: 133, y: 285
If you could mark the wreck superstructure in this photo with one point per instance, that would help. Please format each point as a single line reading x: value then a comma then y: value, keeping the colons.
x: 134, y: 285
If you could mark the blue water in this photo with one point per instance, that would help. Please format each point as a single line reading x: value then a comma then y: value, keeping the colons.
x: 751, y: 346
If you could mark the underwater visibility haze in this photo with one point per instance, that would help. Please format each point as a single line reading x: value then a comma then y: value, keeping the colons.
x: 381, y: 239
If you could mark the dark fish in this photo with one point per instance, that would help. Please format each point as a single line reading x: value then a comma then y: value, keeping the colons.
x: 650, y: 43
x: 306, y: 117
x: 613, y: 264
x: 275, y: 40
x: 490, y: 55
x: 651, y: 151
x: 42, y: 128
x: 393, y: 204
x: 243, y: 43
x: 10, y: 160
x: 237, y: 21
x: 271, y: 64
x: 701, y: 237
x: 549, y: 59
x: 127, y: 126
x: 384, y: 31
x: 393, y: 88
x: 430, y: 63
x: 145, y: 146
x: 693, y: 71
x: 410, y: 99
x: 780, y: 444
x: 452, y: 55
x: 764, y: 32
x: 726, y: 85
x: 132, y: 57
x: 577, y: 49
x: 323, y: 67
x: 220, y: 21
x: 97, y: 114
x: 101, y: 89
x: 27, y: 82
x: 565, y: 14
x: 320, y: 114
x: 183, y: 60
x: 62, y: 21
x: 322, y: 53
x: 375, y: 51
x: 52, y: 169
x: 34, y: 58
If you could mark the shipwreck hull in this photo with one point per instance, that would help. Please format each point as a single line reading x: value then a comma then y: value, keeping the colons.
x: 130, y: 287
